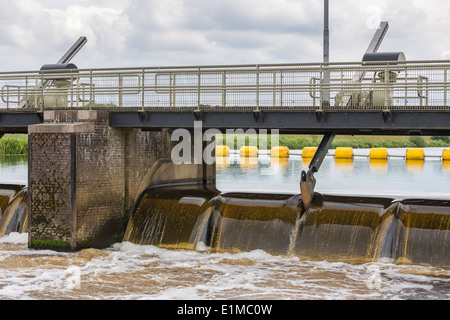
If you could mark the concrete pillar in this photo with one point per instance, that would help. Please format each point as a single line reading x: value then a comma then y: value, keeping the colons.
x: 84, y: 177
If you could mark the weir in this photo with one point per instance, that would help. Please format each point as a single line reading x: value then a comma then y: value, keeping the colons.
x: 335, y: 228
x: 102, y: 146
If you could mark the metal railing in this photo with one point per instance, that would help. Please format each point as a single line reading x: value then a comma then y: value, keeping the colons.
x: 412, y: 85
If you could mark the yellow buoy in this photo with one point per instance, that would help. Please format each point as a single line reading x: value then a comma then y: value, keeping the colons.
x: 446, y: 155
x: 222, y: 151
x: 415, y: 154
x: 308, y: 152
x: 378, y: 153
x: 250, y: 151
x: 279, y: 152
x: 343, y: 153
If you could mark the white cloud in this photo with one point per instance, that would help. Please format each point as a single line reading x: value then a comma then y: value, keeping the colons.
x: 179, y: 32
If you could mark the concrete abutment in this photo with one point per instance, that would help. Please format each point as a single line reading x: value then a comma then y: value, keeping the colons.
x: 84, y: 177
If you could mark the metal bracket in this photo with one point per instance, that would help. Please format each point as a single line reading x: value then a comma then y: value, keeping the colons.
x: 307, y: 180
x: 256, y: 113
x: 198, y: 114
x: 387, y: 114
x: 319, y: 114
x: 143, y: 115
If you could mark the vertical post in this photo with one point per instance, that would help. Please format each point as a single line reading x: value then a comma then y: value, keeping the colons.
x: 170, y: 89
x: 445, y: 87
x: 143, y: 89
x: 120, y: 90
x: 224, y: 92
x: 326, y: 57
x: 91, y: 92
x: 257, y: 87
x: 198, y: 88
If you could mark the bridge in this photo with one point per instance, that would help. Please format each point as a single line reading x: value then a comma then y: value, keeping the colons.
x: 390, y: 97
x: 110, y: 129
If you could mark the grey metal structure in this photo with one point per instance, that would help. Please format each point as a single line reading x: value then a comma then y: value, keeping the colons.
x: 64, y: 60
x: 307, y: 180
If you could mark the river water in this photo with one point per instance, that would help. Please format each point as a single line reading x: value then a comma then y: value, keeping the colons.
x: 130, y: 271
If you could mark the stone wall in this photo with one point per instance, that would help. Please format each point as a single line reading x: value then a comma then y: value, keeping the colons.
x: 84, y: 177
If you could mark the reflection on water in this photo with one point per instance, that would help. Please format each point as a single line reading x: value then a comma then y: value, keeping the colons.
x: 13, y: 169
x: 392, y: 177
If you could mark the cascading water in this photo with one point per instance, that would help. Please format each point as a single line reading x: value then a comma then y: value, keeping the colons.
x: 335, y: 228
x: 13, y: 209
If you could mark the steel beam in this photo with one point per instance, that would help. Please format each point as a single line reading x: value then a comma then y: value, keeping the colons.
x: 18, y: 122
x: 292, y: 121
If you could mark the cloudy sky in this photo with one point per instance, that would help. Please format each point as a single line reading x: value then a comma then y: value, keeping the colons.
x: 128, y: 33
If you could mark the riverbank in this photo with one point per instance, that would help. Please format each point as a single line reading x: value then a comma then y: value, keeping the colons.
x: 17, y: 144
x: 297, y: 142
x: 14, y: 144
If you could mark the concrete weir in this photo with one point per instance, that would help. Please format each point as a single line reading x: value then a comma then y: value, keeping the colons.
x: 348, y: 229
x: 84, y: 177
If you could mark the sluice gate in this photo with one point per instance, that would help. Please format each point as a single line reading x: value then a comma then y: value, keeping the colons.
x: 335, y: 228
x: 352, y: 229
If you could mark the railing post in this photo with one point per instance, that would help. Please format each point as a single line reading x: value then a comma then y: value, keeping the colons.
x: 41, y: 87
x: 174, y: 90
x: 406, y: 86
x: 224, y: 92
x: 26, y: 89
x: 274, y: 92
x: 91, y: 92
x: 321, y: 85
x: 170, y: 89
x: 445, y: 87
x: 386, y: 88
x: 143, y: 89
x: 198, y: 90
x: 257, y: 87
x: 120, y: 90
x: 78, y: 92
x: 281, y: 88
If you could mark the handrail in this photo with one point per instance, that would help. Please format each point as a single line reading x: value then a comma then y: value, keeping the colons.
x: 410, y: 85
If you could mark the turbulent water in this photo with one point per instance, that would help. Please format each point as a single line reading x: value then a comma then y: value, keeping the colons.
x: 129, y: 271
x: 141, y: 271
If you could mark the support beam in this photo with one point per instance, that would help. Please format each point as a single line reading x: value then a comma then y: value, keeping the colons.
x: 307, y: 180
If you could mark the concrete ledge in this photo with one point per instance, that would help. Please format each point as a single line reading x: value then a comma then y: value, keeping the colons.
x: 70, y: 115
x: 79, y: 127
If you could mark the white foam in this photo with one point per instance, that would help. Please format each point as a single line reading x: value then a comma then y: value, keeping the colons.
x: 15, y: 238
x: 131, y: 271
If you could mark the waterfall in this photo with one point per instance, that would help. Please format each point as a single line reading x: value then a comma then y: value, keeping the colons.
x: 336, y: 228
x: 13, y: 209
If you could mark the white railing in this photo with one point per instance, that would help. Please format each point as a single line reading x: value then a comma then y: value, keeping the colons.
x: 413, y: 85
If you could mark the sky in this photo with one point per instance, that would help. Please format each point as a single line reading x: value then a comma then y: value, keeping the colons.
x: 149, y: 33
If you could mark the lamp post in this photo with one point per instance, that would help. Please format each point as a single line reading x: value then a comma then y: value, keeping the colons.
x: 326, y: 58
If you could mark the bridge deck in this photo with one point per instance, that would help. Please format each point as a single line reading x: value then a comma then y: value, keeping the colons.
x: 391, y: 97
